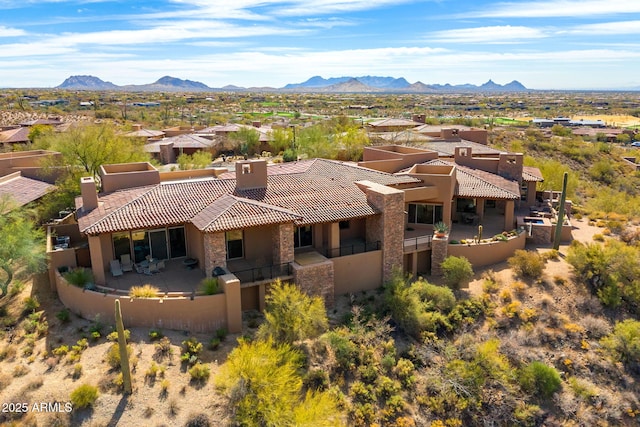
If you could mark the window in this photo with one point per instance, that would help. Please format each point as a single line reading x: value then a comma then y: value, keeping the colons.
x: 235, y: 246
x: 177, y: 245
x: 420, y: 213
x: 121, y: 244
x: 303, y: 236
x: 141, y: 246
x: 344, y: 225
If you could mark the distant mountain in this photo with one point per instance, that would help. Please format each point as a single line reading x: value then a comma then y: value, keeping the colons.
x: 86, y: 83
x: 364, y: 84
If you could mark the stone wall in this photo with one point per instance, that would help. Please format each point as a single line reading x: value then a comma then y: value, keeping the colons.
x: 215, y: 252
x: 316, y: 279
x: 388, y: 226
x: 282, y: 244
x: 439, y: 251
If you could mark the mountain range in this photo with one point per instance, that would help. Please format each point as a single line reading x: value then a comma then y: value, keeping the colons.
x: 364, y: 84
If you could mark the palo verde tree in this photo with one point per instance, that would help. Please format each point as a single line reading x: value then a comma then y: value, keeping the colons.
x: 83, y: 150
x: 247, y: 140
x: 21, y: 246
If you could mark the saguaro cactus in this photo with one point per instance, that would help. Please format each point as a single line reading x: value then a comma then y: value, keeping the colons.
x: 480, y: 233
x: 124, y: 354
x: 560, y: 223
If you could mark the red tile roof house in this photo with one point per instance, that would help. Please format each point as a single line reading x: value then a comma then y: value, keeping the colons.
x: 330, y: 227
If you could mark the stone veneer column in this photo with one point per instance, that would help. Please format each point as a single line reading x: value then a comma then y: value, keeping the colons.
x: 215, y: 252
x: 316, y: 280
x: 282, y: 243
x: 388, y: 226
x: 439, y: 251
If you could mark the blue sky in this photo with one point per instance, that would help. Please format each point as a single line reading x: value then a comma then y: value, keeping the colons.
x: 544, y: 44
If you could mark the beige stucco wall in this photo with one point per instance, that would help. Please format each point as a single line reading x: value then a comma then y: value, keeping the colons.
x: 202, y: 314
x: 358, y: 272
x: 488, y: 253
x: 257, y: 244
x: 128, y: 175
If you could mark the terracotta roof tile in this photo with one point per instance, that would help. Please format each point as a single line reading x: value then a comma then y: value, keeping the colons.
x: 478, y: 183
x: 316, y: 191
x: 530, y: 173
x: 23, y: 190
x: 231, y: 213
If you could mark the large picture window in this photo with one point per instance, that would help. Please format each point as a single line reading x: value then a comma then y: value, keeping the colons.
x: 235, y: 245
x: 161, y: 243
x: 303, y: 236
x: 422, y: 213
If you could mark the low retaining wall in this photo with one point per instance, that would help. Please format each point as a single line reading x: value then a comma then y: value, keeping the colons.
x: 358, y: 272
x: 203, y: 314
x: 482, y: 254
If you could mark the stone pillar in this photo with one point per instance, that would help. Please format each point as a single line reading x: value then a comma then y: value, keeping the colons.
x: 531, y: 193
x: 166, y: 153
x: 282, y: 243
x: 508, y: 215
x: 388, y: 226
x: 439, y: 249
x: 231, y: 287
x: 215, y: 252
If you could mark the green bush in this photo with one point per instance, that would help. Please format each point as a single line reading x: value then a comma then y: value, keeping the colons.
x: 64, y: 315
x: 289, y: 155
x: 527, y: 263
x: 540, y: 379
x: 144, y: 291
x: 79, y: 277
x: 435, y: 297
x: 624, y: 342
x: 456, y: 270
x: 84, y: 396
x: 200, y: 372
x: 210, y: 286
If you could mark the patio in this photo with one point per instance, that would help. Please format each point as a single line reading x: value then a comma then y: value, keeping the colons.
x: 175, y: 277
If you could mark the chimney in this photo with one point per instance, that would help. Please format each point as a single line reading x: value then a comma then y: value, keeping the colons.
x: 89, y: 194
x: 256, y: 123
x: 251, y: 174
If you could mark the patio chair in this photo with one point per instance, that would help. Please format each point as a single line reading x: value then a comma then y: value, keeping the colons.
x: 116, y: 270
x: 139, y: 268
x: 125, y: 262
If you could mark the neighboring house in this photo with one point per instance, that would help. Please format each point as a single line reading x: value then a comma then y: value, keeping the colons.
x: 15, y: 135
x: 167, y: 150
x: 147, y: 134
x: 23, y: 176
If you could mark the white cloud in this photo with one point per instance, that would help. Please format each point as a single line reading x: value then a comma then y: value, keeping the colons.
x: 11, y: 32
x: 607, y: 28
x: 493, y: 34
x: 558, y: 8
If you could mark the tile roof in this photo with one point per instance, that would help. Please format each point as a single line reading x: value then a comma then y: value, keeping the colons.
x: 23, y: 190
x: 314, y: 191
x: 530, y: 173
x: 478, y: 183
x: 20, y: 134
x: 181, y: 141
x: 394, y: 123
x: 145, y: 133
x: 232, y: 212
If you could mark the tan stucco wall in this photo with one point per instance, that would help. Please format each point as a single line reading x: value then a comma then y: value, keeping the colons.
x: 195, y: 244
x: 488, y: 253
x: 358, y: 272
x: 356, y: 230
x: 128, y: 175
x: 257, y: 244
x: 202, y: 314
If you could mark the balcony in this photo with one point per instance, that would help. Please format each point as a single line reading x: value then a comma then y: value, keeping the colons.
x: 351, y: 249
x: 265, y: 273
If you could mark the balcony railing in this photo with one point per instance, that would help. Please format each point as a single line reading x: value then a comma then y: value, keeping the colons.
x: 355, y: 248
x: 416, y: 243
x: 268, y: 272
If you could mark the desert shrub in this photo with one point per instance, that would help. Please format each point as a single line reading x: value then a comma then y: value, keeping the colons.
x: 20, y: 370
x: 291, y: 315
x: 624, y: 343
x: 214, y: 343
x: 84, y: 396
x: 316, y: 379
x: 163, y: 349
x: 221, y: 334
x: 60, y: 350
x: 456, y: 270
x: 198, y: 420
x: 77, y: 371
x: 596, y: 327
x: 210, y: 286
x: 540, y: 379
x: 527, y: 263
x: 289, y: 155
x: 262, y: 381
x: 79, y: 277
x: 155, y: 334
x: 64, y: 315
x: 113, y: 336
x: 199, y: 372
x: 31, y: 304
x: 144, y: 291
x: 113, y: 355
x: 191, y: 349
x: 435, y: 297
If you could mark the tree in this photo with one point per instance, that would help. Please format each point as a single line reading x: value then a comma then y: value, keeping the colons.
x: 457, y: 270
x: 263, y: 383
x: 624, y: 342
x: 291, y: 315
x: 91, y: 146
x: 248, y: 140
x: 22, y: 245
x: 281, y: 139
x: 199, y: 160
